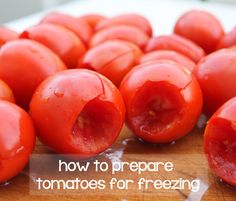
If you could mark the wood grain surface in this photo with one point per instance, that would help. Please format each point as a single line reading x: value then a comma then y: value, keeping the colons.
x: 186, y: 153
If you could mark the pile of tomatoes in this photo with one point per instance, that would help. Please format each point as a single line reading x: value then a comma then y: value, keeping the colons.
x: 73, y: 82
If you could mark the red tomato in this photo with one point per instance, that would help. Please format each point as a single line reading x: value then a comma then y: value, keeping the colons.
x: 127, y: 19
x: 163, y: 101
x: 216, y: 74
x: 178, y: 44
x: 114, y: 59
x: 6, y: 93
x: 229, y: 40
x: 121, y: 32
x: 220, y: 142
x: 168, y: 55
x: 7, y: 35
x: 59, y: 39
x: 92, y: 19
x: 24, y: 64
x: 17, y: 140
x: 85, y: 112
x: 233, y: 48
x: 80, y: 27
x: 201, y: 27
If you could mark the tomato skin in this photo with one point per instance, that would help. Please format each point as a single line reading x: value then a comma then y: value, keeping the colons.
x: 80, y: 27
x: 178, y: 44
x: 220, y: 142
x: 59, y: 39
x: 228, y: 40
x: 201, y: 27
x: 85, y: 112
x: 120, y: 32
x: 113, y: 59
x: 216, y: 76
x: 17, y: 140
x: 92, y: 19
x: 163, y: 101
x: 24, y: 64
x: 168, y: 55
x: 6, y: 93
x: 7, y: 35
x: 127, y: 19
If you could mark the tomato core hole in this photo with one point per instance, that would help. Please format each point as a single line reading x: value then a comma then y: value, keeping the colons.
x: 222, y: 149
x: 158, y: 105
x: 96, y: 127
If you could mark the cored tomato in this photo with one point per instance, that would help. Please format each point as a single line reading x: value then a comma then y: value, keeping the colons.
x: 80, y: 27
x: 79, y: 108
x: 92, y: 19
x: 121, y: 32
x: 220, y: 142
x: 6, y: 93
x: 229, y: 40
x: 7, y: 35
x: 59, y: 39
x: 127, y: 19
x: 216, y: 75
x: 114, y: 59
x: 163, y: 101
x: 24, y: 64
x: 178, y: 44
x: 17, y: 140
x: 201, y: 27
x: 168, y: 55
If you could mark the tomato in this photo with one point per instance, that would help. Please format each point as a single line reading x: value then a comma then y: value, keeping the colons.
x: 201, y: 27
x: 121, y: 32
x: 80, y: 27
x: 17, y: 140
x: 59, y: 39
x: 84, y: 112
x: 6, y: 93
x: 7, y: 35
x: 229, y: 40
x: 168, y: 55
x: 178, y: 44
x: 216, y: 75
x: 220, y: 142
x: 163, y: 101
x: 127, y: 19
x: 92, y: 19
x: 233, y: 48
x: 114, y: 59
x: 24, y: 64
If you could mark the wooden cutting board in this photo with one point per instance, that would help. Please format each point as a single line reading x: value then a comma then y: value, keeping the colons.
x: 186, y: 154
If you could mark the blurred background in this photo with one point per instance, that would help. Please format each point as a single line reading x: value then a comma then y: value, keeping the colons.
x: 14, y: 9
